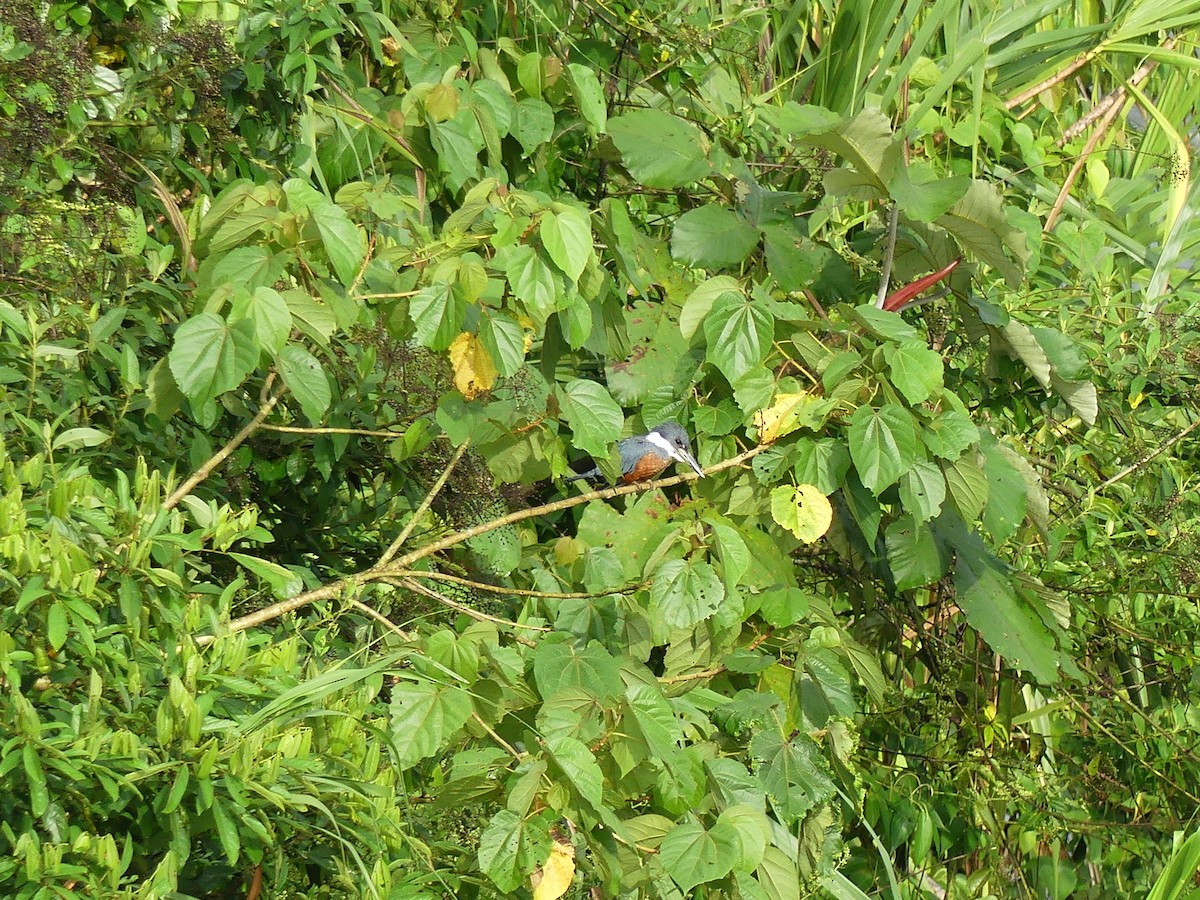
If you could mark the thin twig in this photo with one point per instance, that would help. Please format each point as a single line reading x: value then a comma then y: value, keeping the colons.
x: 715, y: 670
x: 1074, y: 66
x: 417, y: 588
x: 430, y: 495
x: 397, y: 567
x: 360, y: 432
x: 381, y: 619
x: 889, y: 254
x: 1093, y: 139
x: 512, y: 751
x: 221, y: 455
x: 519, y: 592
x: 1133, y: 467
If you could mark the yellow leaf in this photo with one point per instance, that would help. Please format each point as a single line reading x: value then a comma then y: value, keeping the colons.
x: 785, y: 416
x: 474, y: 371
x: 803, y: 510
x: 557, y: 874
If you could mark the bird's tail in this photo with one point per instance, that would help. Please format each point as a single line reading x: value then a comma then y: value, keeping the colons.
x: 589, y: 475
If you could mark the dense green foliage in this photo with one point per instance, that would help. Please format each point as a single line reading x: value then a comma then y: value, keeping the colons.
x: 306, y: 308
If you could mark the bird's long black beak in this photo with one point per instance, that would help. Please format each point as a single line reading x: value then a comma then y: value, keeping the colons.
x: 683, y: 456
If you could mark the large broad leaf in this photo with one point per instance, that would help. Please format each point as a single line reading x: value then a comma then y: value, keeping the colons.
x: 501, y: 847
x: 915, y: 556
x: 978, y: 223
x: 424, y: 717
x: 866, y: 142
x: 270, y: 314
x: 685, y: 593
x: 1006, y: 494
x: 211, y: 356
x: 567, y: 237
x: 579, y: 764
x: 660, y: 150
x: 922, y: 490
x: 437, y: 315
x: 753, y: 832
x: 739, y: 335
x: 504, y: 340
x: 658, y: 360
x: 793, y: 772
x: 593, y: 415
x: 344, y: 244
x: 883, y: 444
x: 916, y: 370
x: 305, y: 378
x: 1008, y: 623
x: 803, y: 510
x: 692, y: 855
x: 559, y: 666
x: 700, y: 302
x: 589, y: 96
x: 923, y: 193
x: 713, y: 237
x: 532, y: 283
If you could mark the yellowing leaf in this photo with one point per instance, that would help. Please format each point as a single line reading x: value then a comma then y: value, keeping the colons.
x: 474, y: 371
x: 789, y: 412
x: 802, y: 510
x: 557, y: 874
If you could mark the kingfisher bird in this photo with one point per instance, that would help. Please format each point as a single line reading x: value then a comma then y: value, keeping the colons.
x: 645, y: 456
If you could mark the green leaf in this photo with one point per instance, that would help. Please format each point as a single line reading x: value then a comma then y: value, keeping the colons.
x: 923, y: 193
x: 950, y: 434
x: 967, y: 485
x: 457, y: 142
x: 532, y: 283
x: 83, y: 436
x: 211, y: 357
x: 915, y: 556
x: 437, y: 315
x: 685, y: 593
x: 803, y: 510
x: 778, y: 876
x: 694, y: 856
x: 589, y: 96
x: 305, y: 378
x: 499, y: 847
x: 283, y: 581
x: 660, y: 150
x: 792, y: 771
x: 424, y: 717
x: 916, y: 370
x: 922, y: 490
x: 739, y: 335
x: 986, y: 595
x: 753, y: 831
x: 595, y: 419
x: 533, y: 123
x: 782, y: 607
x: 345, y: 244
x: 790, y: 259
x: 56, y: 625
x: 227, y: 832
x: 266, y: 308
x: 579, y: 764
x: 700, y: 301
x: 567, y: 237
x: 978, y: 223
x: 562, y: 666
x: 867, y: 142
x: 502, y: 337
x: 883, y: 445
x: 246, y: 267
x: 1005, y: 507
x: 712, y: 237
x: 822, y: 462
